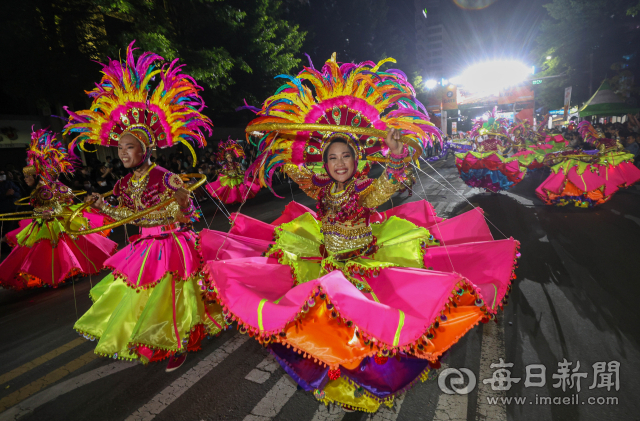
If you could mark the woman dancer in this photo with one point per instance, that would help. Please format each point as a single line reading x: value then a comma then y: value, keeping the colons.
x: 149, y: 307
x: 486, y: 167
x: 44, y: 254
x: 231, y: 187
x: 359, y: 304
x: 586, y: 178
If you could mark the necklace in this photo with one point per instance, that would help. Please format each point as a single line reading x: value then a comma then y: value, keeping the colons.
x: 142, y: 177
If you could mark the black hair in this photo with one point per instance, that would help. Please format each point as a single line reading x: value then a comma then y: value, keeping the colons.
x: 337, y: 140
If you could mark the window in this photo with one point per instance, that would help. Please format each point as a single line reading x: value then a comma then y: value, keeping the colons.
x: 435, y: 38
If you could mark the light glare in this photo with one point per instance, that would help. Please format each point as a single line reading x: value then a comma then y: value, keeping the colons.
x: 431, y: 83
x: 493, y: 76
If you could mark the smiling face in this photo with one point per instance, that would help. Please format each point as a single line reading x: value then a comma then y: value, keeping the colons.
x: 340, y: 161
x: 130, y: 151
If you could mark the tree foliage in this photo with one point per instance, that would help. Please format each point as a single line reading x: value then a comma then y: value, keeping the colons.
x: 233, y: 48
x: 583, y: 39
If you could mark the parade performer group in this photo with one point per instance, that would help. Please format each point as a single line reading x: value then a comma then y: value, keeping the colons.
x: 588, y: 177
x: 231, y: 187
x: 359, y: 305
x: 149, y: 307
x: 486, y: 167
x: 44, y: 254
x: 356, y: 305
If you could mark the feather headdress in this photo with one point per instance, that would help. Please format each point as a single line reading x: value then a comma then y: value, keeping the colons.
x: 47, y: 156
x: 160, y: 106
x: 229, y: 147
x: 355, y: 95
x: 589, y: 133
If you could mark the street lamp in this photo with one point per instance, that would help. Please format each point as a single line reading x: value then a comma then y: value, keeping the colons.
x: 493, y: 76
x: 430, y: 84
x: 549, y: 57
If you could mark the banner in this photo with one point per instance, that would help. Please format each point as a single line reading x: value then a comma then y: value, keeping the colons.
x: 454, y: 128
x: 522, y: 93
x: 450, y: 98
x: 567, y: 101
x: 514, y: 94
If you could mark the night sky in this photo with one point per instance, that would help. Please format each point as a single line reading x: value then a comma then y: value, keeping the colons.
x: 504, y: 29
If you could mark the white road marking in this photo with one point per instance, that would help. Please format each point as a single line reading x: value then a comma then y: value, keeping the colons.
x: 29, y: 405
x: 491, y: 351
x: 439, y: 207
x: 544, y: 239
x: 328, y: 413
x: 389, y: 414
x: 274, y: 400
x: 519, y: 199
x: 263, y: 371
x: 633, y: 218
x: 172, y: 392
x: 452, y: 408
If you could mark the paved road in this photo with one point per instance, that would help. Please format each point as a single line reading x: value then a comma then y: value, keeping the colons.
x: 574, y: 300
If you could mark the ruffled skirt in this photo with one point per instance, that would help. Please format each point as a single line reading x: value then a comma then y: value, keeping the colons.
x: 361, y: 331
x: 232, y: 189
x: 594, y: 186
x: 151, y: 305
x: 490, y: 171
x: 45, y: 255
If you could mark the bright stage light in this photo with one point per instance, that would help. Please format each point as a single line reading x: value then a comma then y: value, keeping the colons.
x: 492, y: 76
x: 431, y: 83
x: 549, y: 57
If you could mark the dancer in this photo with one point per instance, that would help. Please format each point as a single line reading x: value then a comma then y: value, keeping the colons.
x: 359, y: 305
x: 231, y: 187
x: 44, y: 254
x: 149, y: 307
x: 486, y: 167
x: 587, y: 178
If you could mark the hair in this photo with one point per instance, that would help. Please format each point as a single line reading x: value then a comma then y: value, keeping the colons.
x: 336, y: 139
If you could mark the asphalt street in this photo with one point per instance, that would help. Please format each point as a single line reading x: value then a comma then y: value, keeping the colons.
x: 565, y: 348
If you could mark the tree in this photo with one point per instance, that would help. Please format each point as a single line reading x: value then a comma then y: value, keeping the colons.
x: 583, y: 39
x: 233, y: 48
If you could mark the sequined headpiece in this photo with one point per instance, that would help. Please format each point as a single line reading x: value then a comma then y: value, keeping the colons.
x: 230, y: 147
x: 47, y: 157
x: 355, y: 95
x: 126, y: 102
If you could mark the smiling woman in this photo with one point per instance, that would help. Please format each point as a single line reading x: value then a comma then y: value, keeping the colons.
x: 157, y: 274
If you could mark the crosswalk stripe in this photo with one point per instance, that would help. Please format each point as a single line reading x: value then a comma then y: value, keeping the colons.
x: 263, y: 371
x: 491, y: 350
x: 452, y: 408
x: 274, y: 400
x: 40, y: 360
x: 328, y: 413
x: 389, y: 414
x: 29, y: 405
x: 34, y: 387
x: 172, y: 392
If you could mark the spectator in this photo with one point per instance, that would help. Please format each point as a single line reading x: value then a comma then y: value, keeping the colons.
x: 631, y: 145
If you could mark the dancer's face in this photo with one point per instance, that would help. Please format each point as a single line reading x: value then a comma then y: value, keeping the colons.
x: 340, y: 162
x: 130, y: 151
x: 30, y: 180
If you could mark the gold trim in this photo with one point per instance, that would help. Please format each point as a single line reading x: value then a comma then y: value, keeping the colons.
x: 67, y: 223
x: 369, y: 131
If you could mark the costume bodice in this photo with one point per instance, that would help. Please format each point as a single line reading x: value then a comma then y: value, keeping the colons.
x: 233, y: 169
x: 137, y: 194
x: 489, y: 145
x: 345, y: 215
x: 50, y: 198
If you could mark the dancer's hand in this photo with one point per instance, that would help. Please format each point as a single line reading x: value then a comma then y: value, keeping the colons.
x: 393, y: 141
x: 182, y: 197
x: 95, y: 200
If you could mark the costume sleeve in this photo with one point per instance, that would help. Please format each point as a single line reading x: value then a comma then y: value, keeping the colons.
x: 303, y: 177
x: 388, y: 183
